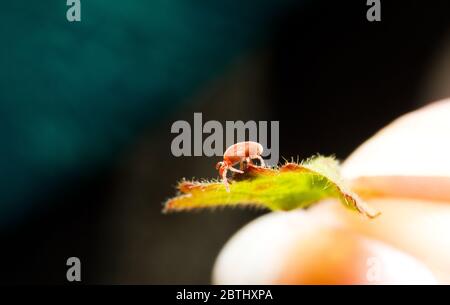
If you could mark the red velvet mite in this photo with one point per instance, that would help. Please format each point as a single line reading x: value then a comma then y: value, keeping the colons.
x: 238, y: 153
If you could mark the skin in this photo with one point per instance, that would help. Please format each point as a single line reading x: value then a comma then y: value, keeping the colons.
x: 404, y: 171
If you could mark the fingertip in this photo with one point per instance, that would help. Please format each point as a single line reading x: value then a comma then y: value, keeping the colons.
x: 299, y: 247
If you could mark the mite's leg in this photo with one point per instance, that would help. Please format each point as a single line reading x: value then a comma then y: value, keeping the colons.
x: 241, y: 165
x: 225, y: 180
x: 259, y: 158
x: 235, y: 170
x: 248, y: 161
x: 262, y: 161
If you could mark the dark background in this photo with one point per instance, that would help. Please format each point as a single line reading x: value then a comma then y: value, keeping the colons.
x: 328, y: 75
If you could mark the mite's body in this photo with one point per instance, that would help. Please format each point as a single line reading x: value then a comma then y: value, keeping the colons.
x: 238, y: 153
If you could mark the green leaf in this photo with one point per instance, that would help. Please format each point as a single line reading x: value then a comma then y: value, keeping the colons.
x: 291, y: 186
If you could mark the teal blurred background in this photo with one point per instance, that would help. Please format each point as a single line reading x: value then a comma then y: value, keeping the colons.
x: 74, y: 94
